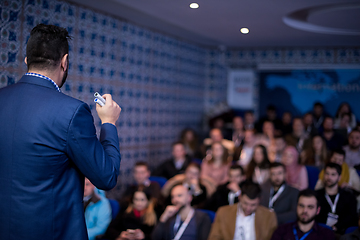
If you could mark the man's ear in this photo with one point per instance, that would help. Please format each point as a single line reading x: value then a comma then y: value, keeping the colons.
x: 64, y: 62
x: 25, y: 60
x: 318, y: 210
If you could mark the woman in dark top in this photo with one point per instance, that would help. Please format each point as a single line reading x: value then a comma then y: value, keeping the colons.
x: 137, y: 220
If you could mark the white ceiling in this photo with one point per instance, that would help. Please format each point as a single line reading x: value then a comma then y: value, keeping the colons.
x: 217, y: 22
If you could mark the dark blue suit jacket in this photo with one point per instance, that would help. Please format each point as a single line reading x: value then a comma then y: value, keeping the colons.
x: 48, y: 143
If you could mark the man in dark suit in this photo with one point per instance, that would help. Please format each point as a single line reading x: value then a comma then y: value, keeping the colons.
x: 48, y: 144
x: 279, y: 196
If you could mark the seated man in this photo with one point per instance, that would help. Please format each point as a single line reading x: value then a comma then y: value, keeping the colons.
x: 279, y: 196
x: 217, y: 137
x: 227, y: 194
x: 338, y: 207
x: 352, y: 150
x: 245, y: 220
x: 141, y: 175
x: 190, y: 180
x: 97, y: 211
x: 180, y: 220
x: 305, y: 226
x: 176, y: 165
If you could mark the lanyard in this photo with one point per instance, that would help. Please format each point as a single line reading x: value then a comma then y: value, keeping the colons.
x: 183, y: 226
x: 276, y: 196
x: 232, y: 196
x: 332, y: 205
x: 303, y: 237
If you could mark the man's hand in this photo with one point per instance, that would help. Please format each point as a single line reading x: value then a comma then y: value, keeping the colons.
x: 110, y: 112
x: 168, y: 213
x: 234, y: 187
x: 139, y: 235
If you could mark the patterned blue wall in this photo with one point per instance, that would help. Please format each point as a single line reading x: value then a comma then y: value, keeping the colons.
x: 163, y: 84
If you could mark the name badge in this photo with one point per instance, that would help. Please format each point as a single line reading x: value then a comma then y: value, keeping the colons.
x: 332, y: 219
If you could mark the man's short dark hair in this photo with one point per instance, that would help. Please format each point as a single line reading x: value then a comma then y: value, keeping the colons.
x: 176, y: 143
x: 354, y: 131
x: 271, y: 108
x: 335, y: 166
x: 46, y: 46
x: 308, y: 193
x: 194, y: 164
x: 318, y: 104
x: 277, y: 164
x: 339, y: 151
x: 237, y: 167
x: 250, y: 189
x: 142, y: 164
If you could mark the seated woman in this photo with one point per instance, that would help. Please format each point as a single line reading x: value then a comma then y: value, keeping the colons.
x: 258, y: 168
x: 349, y: 177
x: 191, y: 143
x: 137, y: 221
x: 317, y: 154
x: 191, y: 179
x: 296, y: 174
x: 216, y: 165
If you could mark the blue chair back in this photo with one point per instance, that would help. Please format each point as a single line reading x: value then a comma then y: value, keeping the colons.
x: 197, y: 160
x: 211, y: 214
x: 350, y: 229
x: 160, y: 180
x: 358, y: 172
x: 313, y: 176
x: 115, y: 207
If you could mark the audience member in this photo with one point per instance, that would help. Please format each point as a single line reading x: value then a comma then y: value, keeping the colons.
x: 180, y: 220
x: 318, y: 115
x: 279, y: 196
x: 245, y: 220
x: 343, y: 127
x: 227, y: 194
x: 258, y: 168
x: 190, y: 180
x: 305, y: 226
x: 238, y: 133
x: 344, y: 108
x: 299, y: 138
x: 332, y: 138
x: 217, y: 137
x: 316, y: 154
x: 352, y: 150
x: 309, y: 127
x: 349, y: 177
x: 244, y: 152
x: 271, y: 116
x: 176, y: 165
x: 191, y: 143
x: 216, y: 166
x: 97, y: 211
x: 137, y: 220
x: 337, y: 206
x: 296, y: 174
x: 266, y: 138
x: 286, y: 126
x: 280, y: 146
x: 141, y: 174
x: 249, y: 119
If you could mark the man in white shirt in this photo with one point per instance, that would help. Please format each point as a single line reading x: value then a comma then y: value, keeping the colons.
x: 245, y: 220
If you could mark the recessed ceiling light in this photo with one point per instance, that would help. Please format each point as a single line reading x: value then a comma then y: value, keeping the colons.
x: 244, y: 30
x: 194, y: 5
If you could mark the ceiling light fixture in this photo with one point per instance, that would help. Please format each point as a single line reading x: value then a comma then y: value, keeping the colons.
x: 244, y: 30
x: 194, y: 5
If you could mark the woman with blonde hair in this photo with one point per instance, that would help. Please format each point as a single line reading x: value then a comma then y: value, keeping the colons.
x: 137, y: 220
x: 216, y: 165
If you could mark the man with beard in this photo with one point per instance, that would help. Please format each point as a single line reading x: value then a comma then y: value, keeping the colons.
x: 305, y: 227
x: 338, y: 206
x: 48, y: 144
x: 332, y: 138
x: 352, y: 156
x: 180, y: 220
x: 279, y: 196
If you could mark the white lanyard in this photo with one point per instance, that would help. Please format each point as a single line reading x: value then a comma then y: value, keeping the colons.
x: 184, y: 225
x: 332, y: 205
x: 232, y: 196
x: 276, y: 196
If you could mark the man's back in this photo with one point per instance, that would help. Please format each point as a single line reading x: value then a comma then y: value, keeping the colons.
x: 48, y: 142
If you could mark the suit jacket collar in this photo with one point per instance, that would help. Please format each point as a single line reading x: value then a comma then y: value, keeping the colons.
x: 37, y: 81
